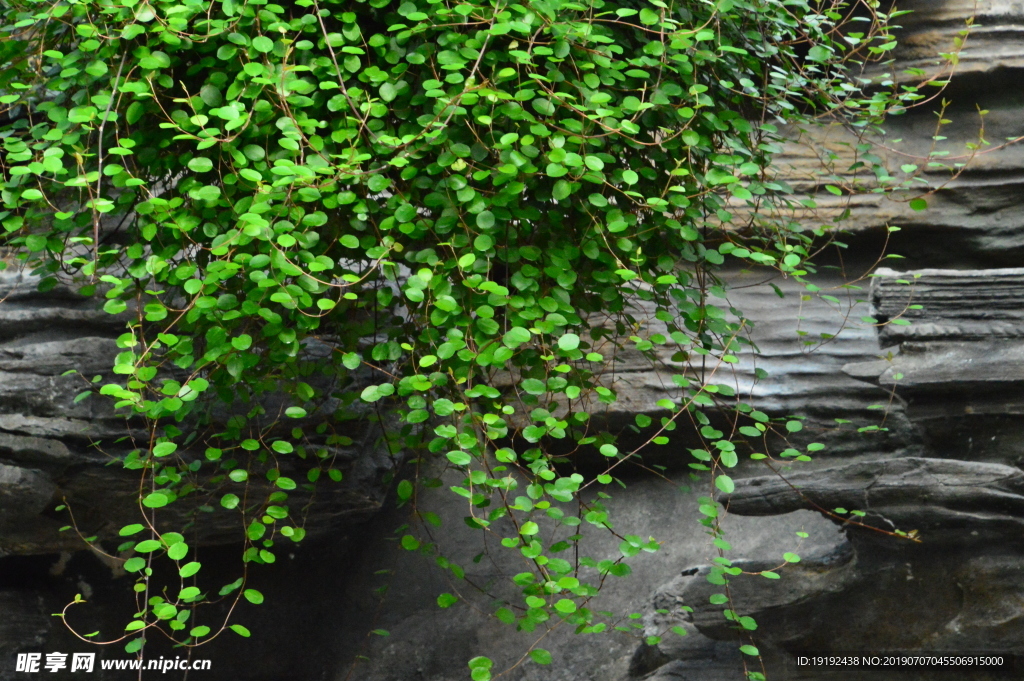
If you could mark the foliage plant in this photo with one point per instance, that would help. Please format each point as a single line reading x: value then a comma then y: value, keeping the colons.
x: 450, y: 216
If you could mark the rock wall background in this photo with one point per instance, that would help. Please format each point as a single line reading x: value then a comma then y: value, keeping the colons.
x: 947, y: 464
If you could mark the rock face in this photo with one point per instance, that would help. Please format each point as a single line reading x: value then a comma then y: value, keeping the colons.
x: 946, y: 499
x: 55, y: 450
x: 931, y: 547
x: 995, y: 45
x: 908, y: 524
x: 930, y: 550
x: 950, y: 358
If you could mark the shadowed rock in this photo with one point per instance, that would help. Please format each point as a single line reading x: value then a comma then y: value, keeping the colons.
x: 787, y: 606
x: 943, y: 499
x: 23, y: 627
x: 55, y: 449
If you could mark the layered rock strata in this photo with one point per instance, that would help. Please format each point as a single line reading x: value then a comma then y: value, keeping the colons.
x: 939, y: 403
x: 933, y: 532
x: 948, y: 364
x: 56, y: 447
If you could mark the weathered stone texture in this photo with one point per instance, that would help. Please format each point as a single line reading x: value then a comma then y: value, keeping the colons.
x: 54, y: 449
x: 945, y: 393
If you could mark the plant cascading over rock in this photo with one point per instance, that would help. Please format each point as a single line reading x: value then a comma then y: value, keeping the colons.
x: 471, y: 206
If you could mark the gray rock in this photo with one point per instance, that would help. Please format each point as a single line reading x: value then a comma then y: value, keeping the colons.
x: 945, y: 500
x: 62, y: 449
x: 24, y: 491
x: 23, y: 628
x: 935, y: 304
x: 995, y: 44
x: 25, y: 495
x: 678, y: 670
x: 829, y: 571
x: 945, y: 459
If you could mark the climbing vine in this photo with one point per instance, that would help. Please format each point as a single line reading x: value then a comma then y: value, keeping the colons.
x: 449, y: 217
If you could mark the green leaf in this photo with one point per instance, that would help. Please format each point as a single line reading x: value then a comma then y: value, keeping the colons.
x: 529, y: 528
x: 189, y: 593
x: 480, y: 669
x: 155, y: 500
x: 155, y: 60
x: 515, y: 337
x: 263, y: 44
x: 540, y: 656
x: 561, y: 190
x: 725, y: 483
x: 404, y: 490
x: 569, y: 341
x: 177, y: 551
x: 189, y: 569
x: 534, y: 386
x: 819, y: 53
x: 242, y: 342
x: 565, y: 606
x: 111, y: 306
x: 447, y: 600
x: 200, y: 165
x: 485, y: 219
x: 165, y: 449
x: 459, y: 458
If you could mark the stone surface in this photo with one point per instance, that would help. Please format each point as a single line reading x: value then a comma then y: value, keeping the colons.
x: 950, y: 464
x: 54, y: 449
x: 934, y: 443
x: 23, y: 627
x: 957, y: 367
x: 802, y: 345
x: 995, y: 44
x: 944, y: 499
x: 958, y: 305
x: 426, y: 642
x: 955, y: 377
